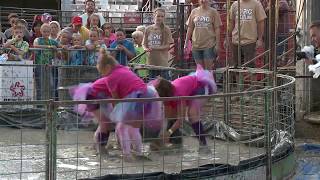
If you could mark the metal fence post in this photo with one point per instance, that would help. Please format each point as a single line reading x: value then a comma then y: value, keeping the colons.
x: 267, y: 109
x: 51, y: 141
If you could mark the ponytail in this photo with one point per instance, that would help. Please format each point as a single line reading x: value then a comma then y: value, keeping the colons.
x: 106, y: 59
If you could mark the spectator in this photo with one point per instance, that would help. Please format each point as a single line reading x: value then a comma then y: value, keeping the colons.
x: 137, y: 39
x: 283, y: 26
x: 93, y: 45
x: 3, y: 37
x: 45, y: 56
x: 89, y: 10
x: 77, y: 56
x: 77, y: 27
x: 55, y: 30
x: 252, y: 16
x: 314, y: 31
x: 12, y: 17
x: 65, y: 41
x: 35, y: 29
x: 125, y: 48
x: 156, y: 42
x: 94, y: 23
x: 20, y: 22
x: 17, y: 45
x: 204, y: 26
x: 108, y: 35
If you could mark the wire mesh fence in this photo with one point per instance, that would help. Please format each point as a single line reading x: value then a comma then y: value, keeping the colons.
x: 43, y: 139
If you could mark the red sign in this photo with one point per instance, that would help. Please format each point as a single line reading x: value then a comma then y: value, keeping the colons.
x: 132, y: 18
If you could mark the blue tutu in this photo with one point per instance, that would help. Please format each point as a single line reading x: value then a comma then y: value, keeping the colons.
x: 148, y: 112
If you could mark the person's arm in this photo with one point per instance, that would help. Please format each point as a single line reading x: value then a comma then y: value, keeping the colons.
x: 260, y: 33
x: 190, y: 29
x: 9, y: 43
x: 180, y: 117
x: 216, y: 25
x: 130, y: 52
x: 145, y: 41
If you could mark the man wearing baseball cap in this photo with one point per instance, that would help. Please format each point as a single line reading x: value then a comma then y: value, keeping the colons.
x: 77, y: 27
x: 89, y: 10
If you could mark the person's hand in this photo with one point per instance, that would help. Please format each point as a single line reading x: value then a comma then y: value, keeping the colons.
x: 259, y: 43
x: 65, y: 47
x: 52, y: 47
x: 120, y: 47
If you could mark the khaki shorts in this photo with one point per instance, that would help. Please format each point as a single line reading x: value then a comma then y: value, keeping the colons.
x: 247, y: 53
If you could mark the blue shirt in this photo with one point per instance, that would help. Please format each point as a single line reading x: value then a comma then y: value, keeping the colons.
x: 77, y: 57
x: 121, y: 56
x: 94, y: 54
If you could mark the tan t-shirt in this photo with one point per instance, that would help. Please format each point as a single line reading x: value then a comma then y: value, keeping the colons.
x: 204, y: 23
x: 251, y: 12
x: 155, y: 37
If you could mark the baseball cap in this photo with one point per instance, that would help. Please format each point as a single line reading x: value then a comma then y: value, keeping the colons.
x: 77, y: 20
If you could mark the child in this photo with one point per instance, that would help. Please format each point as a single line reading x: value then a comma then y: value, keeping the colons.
x: 45, y: 56
x: 93, y: 44
x: 156, y: 42
x: 137, y: 39
x: 77, y: 57
x: 55, y: 29
x: 94, y: 24
x: 65, y: 42
x: 125, y: 48
x: 90, y: 91
x: 18, y: 46
x: 108, y: 35
x: 119, y: 82
x: 199, y: 83
x: 129, y: 116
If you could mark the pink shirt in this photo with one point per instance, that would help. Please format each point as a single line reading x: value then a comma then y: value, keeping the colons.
x: 123, y: 81
x: 108, y: 40
x: 100, y: 86
x: 185, y: 85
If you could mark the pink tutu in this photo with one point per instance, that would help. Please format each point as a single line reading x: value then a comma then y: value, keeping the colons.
x: 84, y: 92
x: 208, y: 86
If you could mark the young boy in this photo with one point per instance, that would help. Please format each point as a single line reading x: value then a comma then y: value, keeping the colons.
x: 17, y: 45
x: 77, y: 57
x: 125, y: 49
x: 93, y: 44
x: 137, y: 37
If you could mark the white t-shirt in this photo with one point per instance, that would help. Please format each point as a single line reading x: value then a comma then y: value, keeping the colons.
x: 85, y: 19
